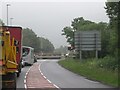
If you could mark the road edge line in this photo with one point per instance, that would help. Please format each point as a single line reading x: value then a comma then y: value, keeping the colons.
x: 25, y: 81
x: 46, y: 78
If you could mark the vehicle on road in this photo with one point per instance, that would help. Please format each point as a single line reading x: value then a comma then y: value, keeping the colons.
x: 10, y: 55
x: 27, y: 55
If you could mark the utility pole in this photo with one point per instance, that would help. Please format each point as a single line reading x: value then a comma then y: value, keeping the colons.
x: 7, y: 12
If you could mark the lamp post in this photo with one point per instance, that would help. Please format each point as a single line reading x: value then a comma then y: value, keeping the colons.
x: 7, y: 12
x: 11, y: 21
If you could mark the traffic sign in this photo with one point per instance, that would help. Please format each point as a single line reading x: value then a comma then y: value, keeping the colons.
x: 87, y: 41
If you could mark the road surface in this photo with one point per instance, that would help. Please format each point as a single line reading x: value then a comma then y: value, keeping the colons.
x: 64, y: 78
x: 50, y: 73
x: 21, y: 78
x: 31, y: 77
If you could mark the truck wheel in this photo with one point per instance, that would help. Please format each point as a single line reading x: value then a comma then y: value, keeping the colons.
x: 15, y: 77
x: 13, y: 87
x: 18, y: 74
x: 9, y: 85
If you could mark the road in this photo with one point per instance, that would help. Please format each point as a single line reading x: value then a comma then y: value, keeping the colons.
x: 31, y: 77
x: 64, y: 78
x: 21, y: 78
x: 59, y: 76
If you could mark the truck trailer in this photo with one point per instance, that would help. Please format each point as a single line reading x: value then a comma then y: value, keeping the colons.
x: 10, y: 55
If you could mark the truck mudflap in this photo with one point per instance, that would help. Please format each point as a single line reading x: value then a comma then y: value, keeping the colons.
x: 9, y: 81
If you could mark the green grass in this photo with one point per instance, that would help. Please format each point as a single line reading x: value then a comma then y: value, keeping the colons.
x: 89, y: 69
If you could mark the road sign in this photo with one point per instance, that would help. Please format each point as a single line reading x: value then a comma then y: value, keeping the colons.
x: 87, y: 40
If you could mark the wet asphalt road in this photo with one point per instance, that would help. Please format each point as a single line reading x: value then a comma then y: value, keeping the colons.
x: 66, y: 79
x: 20, y: 79
x: 60, y: 76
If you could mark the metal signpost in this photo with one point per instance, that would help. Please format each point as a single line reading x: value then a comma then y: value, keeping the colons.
x: 87, y: 41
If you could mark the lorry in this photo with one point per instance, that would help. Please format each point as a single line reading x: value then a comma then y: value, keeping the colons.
x: 10, y: 55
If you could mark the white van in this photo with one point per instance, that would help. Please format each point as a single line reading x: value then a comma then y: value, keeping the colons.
x: 27, y: 55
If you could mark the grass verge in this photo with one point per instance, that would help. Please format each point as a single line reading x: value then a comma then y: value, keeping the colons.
x: 89, y: 69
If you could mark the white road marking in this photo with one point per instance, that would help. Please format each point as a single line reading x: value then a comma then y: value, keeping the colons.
x: 55, y: 86
x: 42, y: 74
x: 49, y: 81
x: 25, y: 82
x: 46, y: 78
x: 25, y: 76
x: 25, y: 86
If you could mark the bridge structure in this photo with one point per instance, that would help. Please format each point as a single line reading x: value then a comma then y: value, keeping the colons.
x: 48, y: 57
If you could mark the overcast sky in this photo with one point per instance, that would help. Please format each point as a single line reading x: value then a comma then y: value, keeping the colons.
x: 47, y: 19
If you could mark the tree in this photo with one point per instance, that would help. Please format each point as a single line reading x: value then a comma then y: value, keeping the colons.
x: 112, y: 10
x: 105, y: 37
x: 61, y: 50
x: 68, y: 32
x: 45, y: 45
x: 80, y: 24
x: 31, y: 39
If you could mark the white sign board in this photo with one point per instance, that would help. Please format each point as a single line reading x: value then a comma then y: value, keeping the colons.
x: 87, y: 40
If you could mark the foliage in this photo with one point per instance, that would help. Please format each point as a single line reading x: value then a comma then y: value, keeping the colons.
x: 79, y: 24
x: 68, y: 32
x: 31, y: 39
x: 45, y: 45
x: 90, y: 69
x: 109, y: 33
x: 108, y: 62
x: 61, y: 50
x: 105, y: 37
x: 112, y: 10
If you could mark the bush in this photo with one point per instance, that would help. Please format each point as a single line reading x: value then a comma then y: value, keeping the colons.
x: 108, y: 62
x: 89, y: 68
